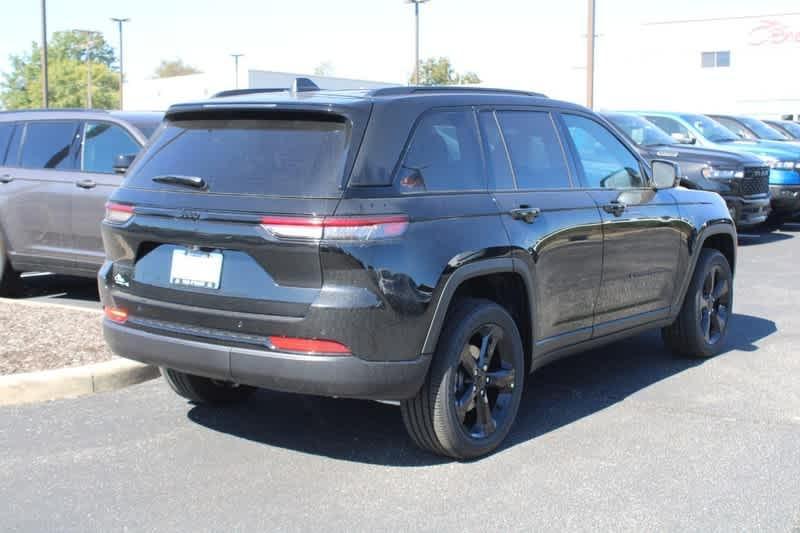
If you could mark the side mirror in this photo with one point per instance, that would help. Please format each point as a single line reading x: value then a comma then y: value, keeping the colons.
x: 122, y: 162
x: 683, y: 138
x: 666, y: 174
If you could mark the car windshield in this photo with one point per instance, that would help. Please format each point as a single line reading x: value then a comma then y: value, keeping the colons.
x: 711, y: 129
x: 763, y: 131
x: 641, y: 131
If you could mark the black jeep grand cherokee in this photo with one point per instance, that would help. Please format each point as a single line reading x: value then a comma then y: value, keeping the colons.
x: 427, y: 245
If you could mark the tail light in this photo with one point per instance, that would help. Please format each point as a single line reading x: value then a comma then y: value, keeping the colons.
x: 355, y: 228
x: 308, y: 346
x: 118, y: 213
x: 116, y: 314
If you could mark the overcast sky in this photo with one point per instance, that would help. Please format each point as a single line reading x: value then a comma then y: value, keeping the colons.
x: 511, y: 43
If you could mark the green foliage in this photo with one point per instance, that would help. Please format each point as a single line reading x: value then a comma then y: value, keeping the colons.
x: 174, y: 67
x: 21, y: 88
x: 439, y: 71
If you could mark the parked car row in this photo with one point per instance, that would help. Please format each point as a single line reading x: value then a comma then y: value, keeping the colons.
x: 759, y: 145
x: 432, y: 246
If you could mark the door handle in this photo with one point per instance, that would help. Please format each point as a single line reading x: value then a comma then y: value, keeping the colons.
x: 6, y: 178
x: 614, y: 207
x: 86, y: 184
x: 525, y: 213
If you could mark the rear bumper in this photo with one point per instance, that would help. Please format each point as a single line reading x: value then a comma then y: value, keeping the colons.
x: 748, y: 211
x: 344, y: 376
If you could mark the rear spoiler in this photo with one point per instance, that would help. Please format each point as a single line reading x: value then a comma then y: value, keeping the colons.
x: 300, y: 85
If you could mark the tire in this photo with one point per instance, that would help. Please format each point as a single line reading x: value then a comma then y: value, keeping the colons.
x: 461, y: 371
x: 10, y: 280
x: 202, y: 390
x: 702, y: 324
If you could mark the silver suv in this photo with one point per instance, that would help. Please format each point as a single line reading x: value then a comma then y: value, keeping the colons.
x: 57, y: 168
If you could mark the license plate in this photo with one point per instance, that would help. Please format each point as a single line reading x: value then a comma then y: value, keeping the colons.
x: 196, y: 269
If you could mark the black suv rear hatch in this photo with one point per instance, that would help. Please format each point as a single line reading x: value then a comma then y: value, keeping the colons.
x: 202, y: 191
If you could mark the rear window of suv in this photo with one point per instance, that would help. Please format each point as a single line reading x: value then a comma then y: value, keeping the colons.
x: 272, y: 157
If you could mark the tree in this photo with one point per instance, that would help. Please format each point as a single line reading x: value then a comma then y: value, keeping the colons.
x: 67, y: 69
x: 324, y: 69
x: 174, y: 67
x: 439, y: 71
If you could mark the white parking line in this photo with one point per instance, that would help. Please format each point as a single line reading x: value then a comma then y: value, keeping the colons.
x: 749, y: 235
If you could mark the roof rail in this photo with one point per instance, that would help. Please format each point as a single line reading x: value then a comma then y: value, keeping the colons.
x: 299, y: 85
x: 56, y: 109
x: 416, y: 89
x: 237, y: 92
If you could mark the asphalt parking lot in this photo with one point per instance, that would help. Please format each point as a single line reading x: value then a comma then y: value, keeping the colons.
x: 622, y: 438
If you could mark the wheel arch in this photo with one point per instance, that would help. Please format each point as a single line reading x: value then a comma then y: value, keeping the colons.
x: 505, y: 281
x: 719, y: 236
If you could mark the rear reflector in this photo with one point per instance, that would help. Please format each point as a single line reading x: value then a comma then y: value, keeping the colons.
x: 308, y: 346
x: 355, y: 228
x: 115, y: 314
x: 118, y: 213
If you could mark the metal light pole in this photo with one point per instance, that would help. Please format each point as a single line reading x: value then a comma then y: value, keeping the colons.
x: 236, y: 67
x: 121, y: 64
x: 89, y: 43
x: 44, y: 55
x: 590, y: 35
x: 416, y: 37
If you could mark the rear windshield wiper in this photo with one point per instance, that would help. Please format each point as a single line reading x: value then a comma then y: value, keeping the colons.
x: 188, y: 181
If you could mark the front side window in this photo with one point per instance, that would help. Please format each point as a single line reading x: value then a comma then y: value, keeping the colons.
x: 535, y: 150
x: 102, y: 143
x: 671, y: 126
x: 710, y: 129
x: 735, y: 127
x: 48, y: 145
x: 606, y: 162
x: 444, y: 154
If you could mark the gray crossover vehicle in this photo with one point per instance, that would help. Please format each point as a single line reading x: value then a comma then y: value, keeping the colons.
x: 57, y: 168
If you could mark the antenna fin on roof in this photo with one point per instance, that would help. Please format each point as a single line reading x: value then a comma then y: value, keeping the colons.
x: 301, y: 85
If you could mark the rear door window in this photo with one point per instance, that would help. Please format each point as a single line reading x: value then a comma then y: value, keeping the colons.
x: 102, y: 143
x: 49, y: 145
x: 444, y: 154
x: 285, y: 157
x: 500, y: 175
x: 536, y: 153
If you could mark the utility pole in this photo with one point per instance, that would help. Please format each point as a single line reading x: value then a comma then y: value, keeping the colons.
x: 590, y: 35
x: 119, y: 22
x: 236, y: 67
x: 44, y: 55
x: 416, y: 37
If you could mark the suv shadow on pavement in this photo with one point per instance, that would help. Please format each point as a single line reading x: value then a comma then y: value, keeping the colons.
x: 555, y: 396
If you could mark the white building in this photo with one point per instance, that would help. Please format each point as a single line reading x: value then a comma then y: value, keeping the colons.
x: 159, y: 93
x: 745, y: 65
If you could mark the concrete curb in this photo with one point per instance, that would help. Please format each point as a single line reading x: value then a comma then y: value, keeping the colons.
x: 72, y: 382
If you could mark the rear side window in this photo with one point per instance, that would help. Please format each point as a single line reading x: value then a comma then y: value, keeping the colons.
x: 6, y: 131
x: 273, y: 157
x: 535, y: 150
x: 444, y: 154
x: 606, y: 162
x: 49, y: 145
x: 102, y: 143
